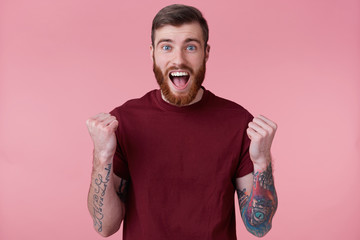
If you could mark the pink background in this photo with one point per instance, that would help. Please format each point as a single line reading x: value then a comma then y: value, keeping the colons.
x: 296, y: 62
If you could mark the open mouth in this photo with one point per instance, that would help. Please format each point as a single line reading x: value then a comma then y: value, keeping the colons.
x: 180, y: 79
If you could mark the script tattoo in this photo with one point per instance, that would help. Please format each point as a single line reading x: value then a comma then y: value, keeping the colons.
x: 122, y: 191
x: 100, y: 186
x: 258, y: 209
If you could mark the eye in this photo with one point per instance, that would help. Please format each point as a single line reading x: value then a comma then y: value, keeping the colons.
x: 166, y: 48
x: 191, y: 48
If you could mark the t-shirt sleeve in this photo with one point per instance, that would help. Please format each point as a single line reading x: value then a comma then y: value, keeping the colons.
x: 245, y: 165
x: 120, y: 164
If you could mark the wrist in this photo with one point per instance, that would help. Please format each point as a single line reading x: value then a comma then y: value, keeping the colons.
x: 102, y: 159
x: 261, y: 166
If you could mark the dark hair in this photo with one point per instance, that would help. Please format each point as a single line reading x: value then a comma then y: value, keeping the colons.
x: 176, y: 15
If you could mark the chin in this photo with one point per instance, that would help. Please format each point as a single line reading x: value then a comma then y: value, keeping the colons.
x: 186, y: 90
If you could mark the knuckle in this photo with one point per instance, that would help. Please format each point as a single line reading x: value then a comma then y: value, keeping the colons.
x: 96, y: 123
x: 92, y: 123
x: 109, y: 130
x: 266, y: 134
x: 257, y: 137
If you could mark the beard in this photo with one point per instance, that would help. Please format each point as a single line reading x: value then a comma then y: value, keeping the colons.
x: 183, y: 98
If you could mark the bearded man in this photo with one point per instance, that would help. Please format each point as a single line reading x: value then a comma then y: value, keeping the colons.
x: 168, y: 164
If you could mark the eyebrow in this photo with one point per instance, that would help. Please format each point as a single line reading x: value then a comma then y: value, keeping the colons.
x: 171, y: 41
x: 192, y: 40
x: 164, y: 40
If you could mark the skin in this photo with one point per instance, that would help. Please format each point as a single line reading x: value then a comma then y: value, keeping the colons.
x: 177, y: 46
x: 256, y: 191
x: 106, y: 194
x: 174, y: 47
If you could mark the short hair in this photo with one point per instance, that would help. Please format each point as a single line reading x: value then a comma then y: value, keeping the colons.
x: 176, y: 15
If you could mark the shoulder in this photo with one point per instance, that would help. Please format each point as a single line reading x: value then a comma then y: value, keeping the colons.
x: 228, y: 107
x: 135, y: 104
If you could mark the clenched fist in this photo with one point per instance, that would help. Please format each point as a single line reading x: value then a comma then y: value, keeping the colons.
x: 261, y: 132
x: 102, y: 131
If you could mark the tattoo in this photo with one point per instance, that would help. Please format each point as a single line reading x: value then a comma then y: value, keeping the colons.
x: 258, y: 209
x: 261, y: 209
x: 98, y: 200
x: 265, y: 178
x: 122, y: 191
x: 243, y: 198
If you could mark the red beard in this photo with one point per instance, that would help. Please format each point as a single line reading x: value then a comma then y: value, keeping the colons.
x: 183, y: 99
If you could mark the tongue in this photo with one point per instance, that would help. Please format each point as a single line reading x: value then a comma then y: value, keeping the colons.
x: 179, y: 82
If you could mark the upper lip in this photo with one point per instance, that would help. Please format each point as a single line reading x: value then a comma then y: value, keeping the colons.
x: 179, y: 70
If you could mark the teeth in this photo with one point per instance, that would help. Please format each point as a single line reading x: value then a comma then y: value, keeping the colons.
x: 179, y: 74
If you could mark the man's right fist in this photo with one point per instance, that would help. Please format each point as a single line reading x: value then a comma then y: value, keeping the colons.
x: 102, y: 131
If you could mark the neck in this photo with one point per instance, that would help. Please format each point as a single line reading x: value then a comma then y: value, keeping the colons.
x: 196, y: 99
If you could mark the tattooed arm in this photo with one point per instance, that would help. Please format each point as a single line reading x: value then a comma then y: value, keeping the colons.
x: 107, y: 192
x: 256, y: 192
x: 257, y: 201
x: 106, y: 199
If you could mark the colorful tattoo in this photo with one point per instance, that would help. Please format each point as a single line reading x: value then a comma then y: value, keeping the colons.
x: 258, y: 209
x: 243, y: 198
x: 98, y: 198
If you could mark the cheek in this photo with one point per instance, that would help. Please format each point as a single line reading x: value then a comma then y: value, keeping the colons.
x: 196, y: 65
x: 161, y: 63
x: 196, y: 60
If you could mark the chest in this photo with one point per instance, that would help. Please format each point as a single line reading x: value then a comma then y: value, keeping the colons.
x: 182, y: 146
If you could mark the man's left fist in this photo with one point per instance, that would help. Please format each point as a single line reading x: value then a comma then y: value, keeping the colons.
x: 261, y: 132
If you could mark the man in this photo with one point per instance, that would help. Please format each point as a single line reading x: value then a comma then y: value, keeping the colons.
x: 168, y: 163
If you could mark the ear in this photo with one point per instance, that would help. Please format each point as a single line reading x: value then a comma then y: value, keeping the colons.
x: 151, y: 52
x: 207, y: 52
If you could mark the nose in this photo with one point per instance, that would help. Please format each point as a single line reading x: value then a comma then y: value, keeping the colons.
x: 178, y: 57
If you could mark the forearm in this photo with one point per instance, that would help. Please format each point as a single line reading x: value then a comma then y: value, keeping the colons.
x: 104, y: 204
x: 259, y: 206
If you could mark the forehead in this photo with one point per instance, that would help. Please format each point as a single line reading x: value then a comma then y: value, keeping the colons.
x: 179, y: 33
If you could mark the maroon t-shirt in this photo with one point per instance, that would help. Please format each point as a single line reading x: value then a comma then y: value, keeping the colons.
x: 181, y: 163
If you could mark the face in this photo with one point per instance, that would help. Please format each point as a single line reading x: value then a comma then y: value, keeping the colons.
x: 179, y: 59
